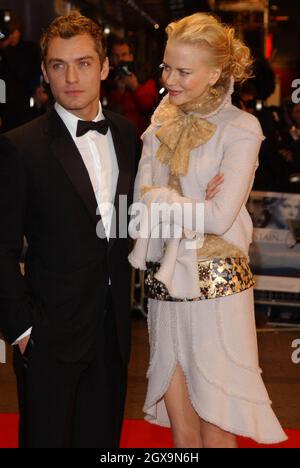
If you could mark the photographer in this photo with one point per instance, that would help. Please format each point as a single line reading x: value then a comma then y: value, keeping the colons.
x: 129, y: 93
x: 290, y: 142
x: 272, y: 174
x: 19, y: 68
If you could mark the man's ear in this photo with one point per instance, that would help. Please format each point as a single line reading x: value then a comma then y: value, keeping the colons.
x: 105, y: 69
x: 43, y: 66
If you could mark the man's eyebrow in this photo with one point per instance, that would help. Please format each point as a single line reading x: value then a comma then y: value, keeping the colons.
x: 86, y: 57
x: 56, y: 60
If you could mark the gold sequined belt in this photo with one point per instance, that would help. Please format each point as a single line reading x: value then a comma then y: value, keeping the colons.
x: 217, y: 278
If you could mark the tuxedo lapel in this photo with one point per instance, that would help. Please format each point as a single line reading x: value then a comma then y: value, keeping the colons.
x: 66, y: 152
x: 124, y: 163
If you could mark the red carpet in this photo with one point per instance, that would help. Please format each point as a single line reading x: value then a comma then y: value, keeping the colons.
x: 140, y: 434
x: 8, y: 430
x: 136, y: 434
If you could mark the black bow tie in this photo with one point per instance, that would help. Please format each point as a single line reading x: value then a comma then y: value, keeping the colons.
x: 84, y: 126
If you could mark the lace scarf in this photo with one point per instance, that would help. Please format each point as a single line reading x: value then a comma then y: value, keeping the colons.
x: 183, y: 128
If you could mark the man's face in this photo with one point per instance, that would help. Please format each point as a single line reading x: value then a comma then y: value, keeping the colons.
x: 4, y: 43
x: 121, y: 53
x: 73, y: 70
x: 15, y: 38
x: 248, y: 102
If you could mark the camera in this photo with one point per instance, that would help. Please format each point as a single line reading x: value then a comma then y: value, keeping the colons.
x: 252, y: 104
x: 124, y: 69
x: 4, y: 20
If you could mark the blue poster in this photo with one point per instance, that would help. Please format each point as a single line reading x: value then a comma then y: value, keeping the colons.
x: 276, y: 238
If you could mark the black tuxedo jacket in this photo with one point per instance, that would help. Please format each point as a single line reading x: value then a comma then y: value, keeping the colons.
x: 46, y: 195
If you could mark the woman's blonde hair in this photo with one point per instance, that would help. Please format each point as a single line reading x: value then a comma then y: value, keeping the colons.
x: 229, y: 53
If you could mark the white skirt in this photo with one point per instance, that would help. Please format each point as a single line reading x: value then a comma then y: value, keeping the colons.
x: 214, y: 341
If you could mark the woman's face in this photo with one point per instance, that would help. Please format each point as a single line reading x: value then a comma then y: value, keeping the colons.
x: 289, y: 208
x: 187, y: 72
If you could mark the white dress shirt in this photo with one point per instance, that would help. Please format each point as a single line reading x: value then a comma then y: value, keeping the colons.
x: 99, y: 156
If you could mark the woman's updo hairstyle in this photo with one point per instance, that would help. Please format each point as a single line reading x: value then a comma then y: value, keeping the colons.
x: 228, y: 52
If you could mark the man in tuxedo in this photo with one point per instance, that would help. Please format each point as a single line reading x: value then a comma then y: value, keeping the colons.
x: 69, y: 316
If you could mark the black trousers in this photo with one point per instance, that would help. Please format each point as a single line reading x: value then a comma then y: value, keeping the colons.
x: 78, y: 405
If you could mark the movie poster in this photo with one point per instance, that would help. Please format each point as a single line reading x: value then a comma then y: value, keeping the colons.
x: 275, y: 252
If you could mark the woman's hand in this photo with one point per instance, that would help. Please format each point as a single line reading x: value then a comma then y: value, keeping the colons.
x: 213, y: 186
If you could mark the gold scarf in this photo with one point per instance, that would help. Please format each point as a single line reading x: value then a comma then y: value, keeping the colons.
x: 183, y: 128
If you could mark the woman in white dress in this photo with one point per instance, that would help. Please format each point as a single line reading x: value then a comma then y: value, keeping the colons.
x: 204, y: 377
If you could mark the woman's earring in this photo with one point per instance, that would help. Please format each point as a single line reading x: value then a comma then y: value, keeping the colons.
x: 214, y: 92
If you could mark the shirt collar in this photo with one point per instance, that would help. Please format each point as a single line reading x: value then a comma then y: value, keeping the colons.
x: 70, y: 120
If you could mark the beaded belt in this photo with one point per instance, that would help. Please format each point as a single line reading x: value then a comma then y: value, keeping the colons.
x: 217, y: 278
